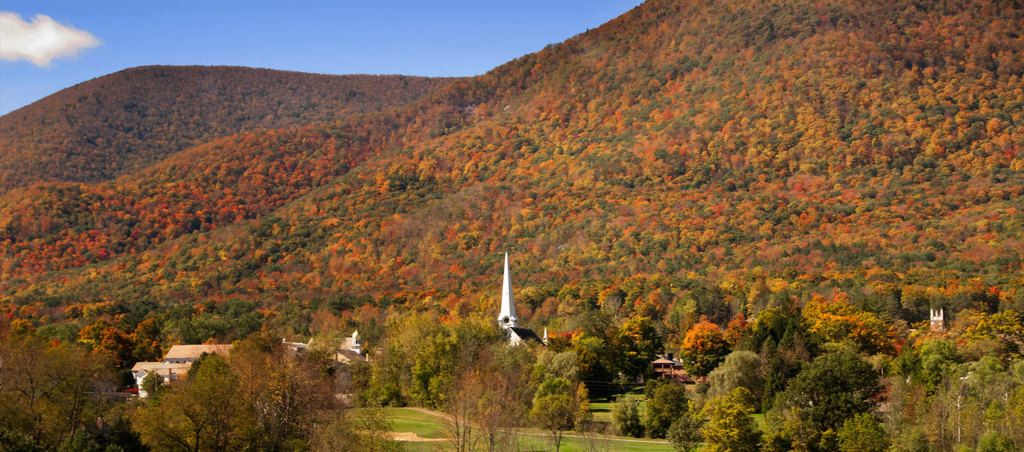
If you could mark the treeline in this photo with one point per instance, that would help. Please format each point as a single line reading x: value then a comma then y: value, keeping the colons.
x: 823, y: 376
x: 829, y: 372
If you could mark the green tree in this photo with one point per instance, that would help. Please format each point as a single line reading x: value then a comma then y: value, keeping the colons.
x: 201, y: 413
x: 554, y: 409
x: 635, y: 345
x: 827, y: 392
x: 685, y: 432
x: 862, y: 433
x: 551, y: 364
x: 434, y: 369
x: 49, y: 393
x: 992, y: 441
x: 667, y: 403
x: 593, y: 358
x: 555, y: 414
x: 729, y: 425
x: 626, y: 418
x: 741, y: 369
x: 937, y: 358
x: 152, y: 383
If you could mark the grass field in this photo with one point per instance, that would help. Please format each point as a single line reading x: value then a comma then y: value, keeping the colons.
x: 426, y: 425
x: 408, y: 420
x: 602, y: 410
x: 543, y: 444
x: 601, y: 406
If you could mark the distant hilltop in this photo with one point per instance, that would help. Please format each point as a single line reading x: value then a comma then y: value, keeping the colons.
x: 125, y: 121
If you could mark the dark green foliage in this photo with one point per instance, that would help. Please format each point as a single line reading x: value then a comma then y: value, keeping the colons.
x: 829, y: 390
x: 637, y: 343
x: 995, y: 442
x: 666, y: 403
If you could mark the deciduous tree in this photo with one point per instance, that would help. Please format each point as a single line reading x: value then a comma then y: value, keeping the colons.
x: 704, y: 347
x: 729, y: 426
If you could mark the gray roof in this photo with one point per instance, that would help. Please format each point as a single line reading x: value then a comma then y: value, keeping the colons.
x: 525, y: 334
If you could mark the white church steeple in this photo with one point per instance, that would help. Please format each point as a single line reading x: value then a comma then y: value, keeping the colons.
x: 507, y: 316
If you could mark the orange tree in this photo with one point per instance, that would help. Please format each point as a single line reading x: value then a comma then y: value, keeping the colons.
x: 704, y: 347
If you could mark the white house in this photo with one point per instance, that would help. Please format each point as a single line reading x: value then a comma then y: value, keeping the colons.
x: 351, y: 349
x: 170, y: 372
x: 175, y: 364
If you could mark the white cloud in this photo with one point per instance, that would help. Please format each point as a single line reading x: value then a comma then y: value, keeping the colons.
x: 41, y: 40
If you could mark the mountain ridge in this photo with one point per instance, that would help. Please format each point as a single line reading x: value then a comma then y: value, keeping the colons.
x: 680, y: 143
x: 124, y: 121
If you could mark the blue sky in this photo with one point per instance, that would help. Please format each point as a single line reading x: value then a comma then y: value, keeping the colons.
x: 434, y: 38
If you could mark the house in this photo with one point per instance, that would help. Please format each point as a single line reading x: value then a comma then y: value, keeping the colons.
x: 353, y: 343
x: 170, y: 372
x: 345, y: 356
x: 669, y: 367
x: 350, y: 349
x: 295, y: 347
x: 176, y: 363
x: 190, y: 353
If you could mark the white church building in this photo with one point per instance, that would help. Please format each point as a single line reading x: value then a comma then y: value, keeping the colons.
x: 507, y: 316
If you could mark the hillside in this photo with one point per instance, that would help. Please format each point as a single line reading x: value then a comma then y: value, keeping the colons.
x: 728, y: 154
x: 125, y: 121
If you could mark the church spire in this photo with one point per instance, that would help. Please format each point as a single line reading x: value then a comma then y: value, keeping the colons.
x: 507, y: 316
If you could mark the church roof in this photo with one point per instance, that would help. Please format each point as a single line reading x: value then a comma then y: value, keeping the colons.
x: 346, y: 356
x: 525, y: 334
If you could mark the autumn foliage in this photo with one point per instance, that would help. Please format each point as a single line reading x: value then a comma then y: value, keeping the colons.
x: 704, y: 347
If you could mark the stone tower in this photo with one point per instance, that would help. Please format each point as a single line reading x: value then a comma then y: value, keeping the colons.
x: 938, y: 319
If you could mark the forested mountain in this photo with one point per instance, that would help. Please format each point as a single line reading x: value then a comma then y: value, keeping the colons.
x: 754, y: 151
x: 780, y: 191
x: 125, y: 121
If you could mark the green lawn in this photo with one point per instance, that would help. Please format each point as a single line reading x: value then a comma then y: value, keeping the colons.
x: 540, y: 443
x: 543, y: 443
x: 408, y: 420
x: 760, y: 422
x: 428, y: 426
x: 602, y: 410
x: 601, y: 407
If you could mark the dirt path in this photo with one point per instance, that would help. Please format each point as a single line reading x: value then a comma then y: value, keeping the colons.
x: 412, y: 437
